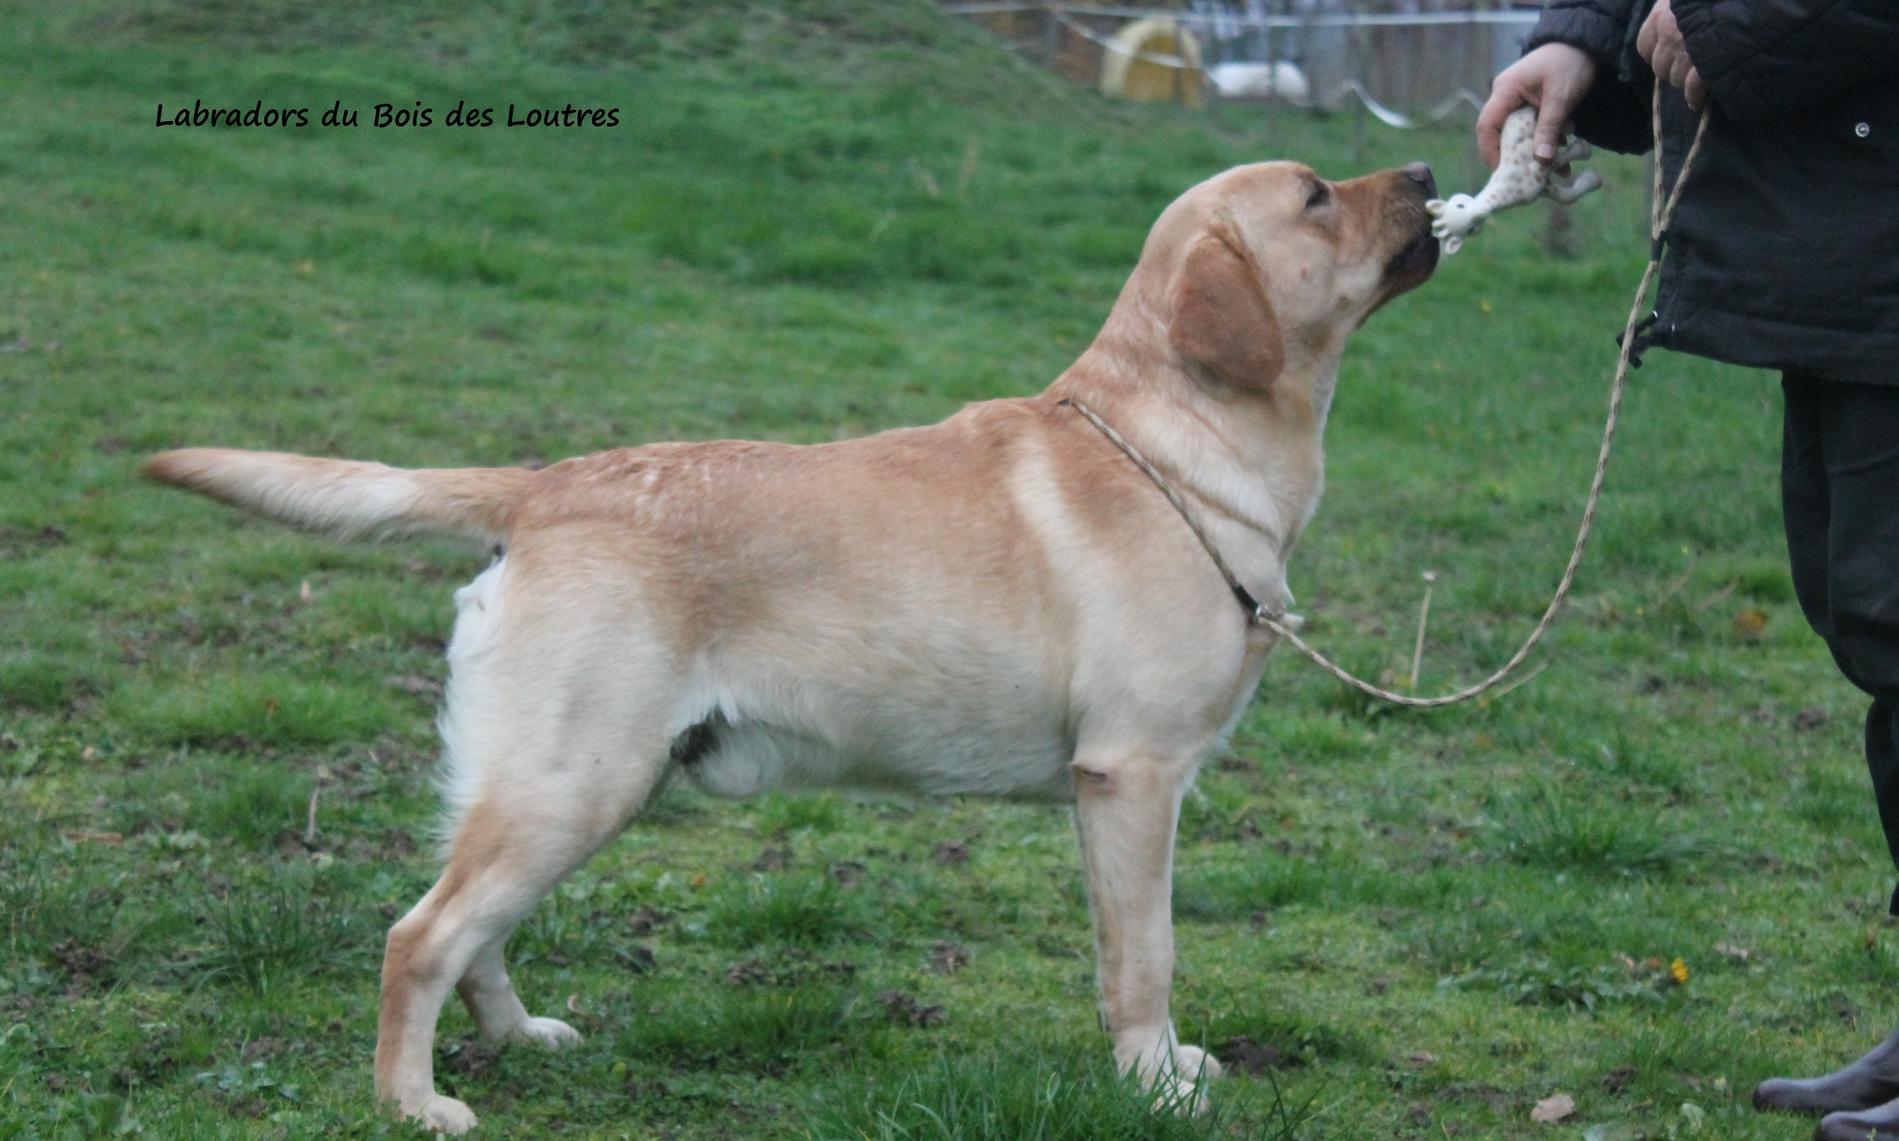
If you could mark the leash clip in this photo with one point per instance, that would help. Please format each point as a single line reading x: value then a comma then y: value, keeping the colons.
x: 1639, y: 340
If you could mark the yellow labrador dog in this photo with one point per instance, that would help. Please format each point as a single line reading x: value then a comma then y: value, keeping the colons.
x: 1001, y: 603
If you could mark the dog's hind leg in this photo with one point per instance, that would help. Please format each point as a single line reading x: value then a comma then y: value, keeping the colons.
x: 1126, y: 810
x: 532, y: 820
x: 497, y: 1010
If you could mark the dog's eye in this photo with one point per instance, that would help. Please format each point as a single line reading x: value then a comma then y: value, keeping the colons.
x: 1321, y: 194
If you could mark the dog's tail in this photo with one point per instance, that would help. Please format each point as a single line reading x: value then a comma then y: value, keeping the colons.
x: 349, y: 498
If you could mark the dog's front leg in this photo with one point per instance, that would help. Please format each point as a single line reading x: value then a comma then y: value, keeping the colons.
x: 1126, y: 808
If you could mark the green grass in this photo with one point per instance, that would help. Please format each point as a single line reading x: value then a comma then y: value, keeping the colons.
x: 1037, y: 1094
x: 261, y: 940
x: 825, y: 220
x: 805, y: 912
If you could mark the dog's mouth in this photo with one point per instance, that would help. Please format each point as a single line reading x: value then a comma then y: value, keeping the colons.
x: 1415, y: 262
x: 1409, y: 267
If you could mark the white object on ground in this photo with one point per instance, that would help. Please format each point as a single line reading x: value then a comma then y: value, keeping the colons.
x: 1276, y: 80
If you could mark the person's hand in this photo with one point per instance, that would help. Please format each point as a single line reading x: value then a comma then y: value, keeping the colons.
x: 1660, y: 43
x: 1552, y: 79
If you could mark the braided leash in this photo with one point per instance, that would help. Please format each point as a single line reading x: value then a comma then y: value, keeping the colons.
x: 1662, y: 212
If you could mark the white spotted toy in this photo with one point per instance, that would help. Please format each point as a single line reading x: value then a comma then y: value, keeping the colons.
x: 1519, y: 179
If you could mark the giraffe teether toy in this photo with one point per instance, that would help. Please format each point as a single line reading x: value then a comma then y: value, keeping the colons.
x: 1519, y: 178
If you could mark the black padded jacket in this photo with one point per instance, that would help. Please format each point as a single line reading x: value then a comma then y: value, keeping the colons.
x: 1784, y: 253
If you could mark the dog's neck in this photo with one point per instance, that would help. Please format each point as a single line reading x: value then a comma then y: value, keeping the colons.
x: 1251, y: 464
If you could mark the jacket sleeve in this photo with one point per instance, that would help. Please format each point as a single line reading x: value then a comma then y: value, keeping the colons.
x: 1615, y: 113
x: 1763, y: 59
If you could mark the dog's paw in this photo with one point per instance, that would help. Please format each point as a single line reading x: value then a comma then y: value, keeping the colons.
x: 1176, y: 1077
x: 1182, y: 1087
x: 547, y: 1033
x: 1194, y: 1064
x: 442, y: 1114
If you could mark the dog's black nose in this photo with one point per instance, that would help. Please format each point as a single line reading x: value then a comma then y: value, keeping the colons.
x: 1421, y: 174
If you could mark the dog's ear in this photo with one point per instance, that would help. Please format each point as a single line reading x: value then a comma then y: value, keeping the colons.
x: 1221, y: 320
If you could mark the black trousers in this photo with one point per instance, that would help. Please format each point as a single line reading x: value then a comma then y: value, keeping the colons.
x: 1840, y: 496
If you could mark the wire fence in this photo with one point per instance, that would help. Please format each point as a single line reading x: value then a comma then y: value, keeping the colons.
x: 1404, y: 62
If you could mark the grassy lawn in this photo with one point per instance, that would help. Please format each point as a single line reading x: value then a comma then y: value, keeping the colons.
x: 216, y: 743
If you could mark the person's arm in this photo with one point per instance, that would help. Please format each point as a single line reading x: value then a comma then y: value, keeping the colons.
x: 1598, y: 27
x: 1762, y: 59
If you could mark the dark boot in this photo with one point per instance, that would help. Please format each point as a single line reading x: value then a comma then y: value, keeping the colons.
x: 1872, y: 1082
x: 1880, y: 1123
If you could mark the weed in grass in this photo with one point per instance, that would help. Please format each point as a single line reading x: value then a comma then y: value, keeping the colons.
x: 1653, y: 765
x: 1569, y: 830
x: 801, y: 911
x: 233, y: 1081
x: 774, y: 1028
x: 1538, y: 983
x: 262, y: 937
x: 1455, y: 942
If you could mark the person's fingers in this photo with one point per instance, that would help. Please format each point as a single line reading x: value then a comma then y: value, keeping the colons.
x: 1506, y: 95
x: 1678, y: 69
x: 1645, y: 38
x: 1694, y: 90
x: 1662, y: 61
x: 1551, y: 118
x: 1671, y: 64
x: 1489, y: 143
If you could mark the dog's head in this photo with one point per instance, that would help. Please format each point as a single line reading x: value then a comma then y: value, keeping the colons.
x: 1269, y: 266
